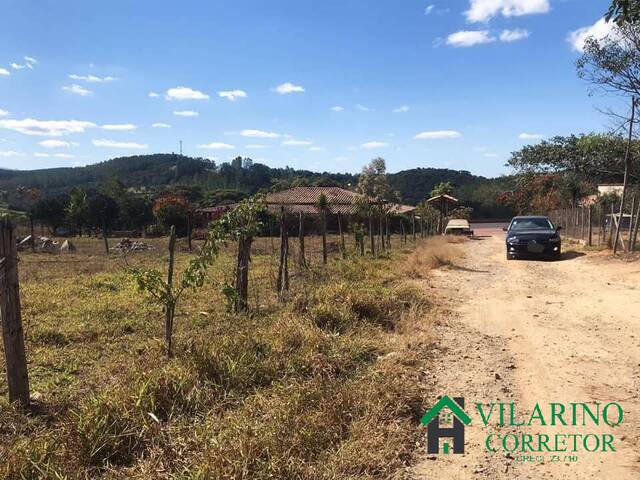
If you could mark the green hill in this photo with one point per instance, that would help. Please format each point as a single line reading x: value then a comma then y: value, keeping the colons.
x: 155, y: 172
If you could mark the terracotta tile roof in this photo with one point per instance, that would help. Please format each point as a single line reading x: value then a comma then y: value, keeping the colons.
x: 305, y: 199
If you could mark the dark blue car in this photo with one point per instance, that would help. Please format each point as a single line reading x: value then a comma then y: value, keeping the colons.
x: 533, y: 236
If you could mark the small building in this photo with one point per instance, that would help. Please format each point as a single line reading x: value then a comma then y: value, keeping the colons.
x: 210, y: 214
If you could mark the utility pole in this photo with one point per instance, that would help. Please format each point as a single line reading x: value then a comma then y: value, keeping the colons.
x: 180, y: 147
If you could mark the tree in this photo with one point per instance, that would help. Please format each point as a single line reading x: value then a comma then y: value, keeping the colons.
x: 612, y: 65
x: 77, y: 208
x: 102, y: 212
x: 51, y: 212
x: 167, y: 292
x: 172, y: 209
x: 376, y: 193
x: 624, y: 11
x: 29, y: 196
x: 443, y: 188
x: 241, y: 224
x: 136, y: 212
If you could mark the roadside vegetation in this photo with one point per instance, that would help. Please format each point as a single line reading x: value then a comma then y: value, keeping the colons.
x: 325, y: 383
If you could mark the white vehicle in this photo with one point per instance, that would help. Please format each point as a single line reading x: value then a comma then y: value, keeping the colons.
x: 458, y: 226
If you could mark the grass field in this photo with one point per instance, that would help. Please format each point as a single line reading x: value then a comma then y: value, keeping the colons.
x: 325, y: 384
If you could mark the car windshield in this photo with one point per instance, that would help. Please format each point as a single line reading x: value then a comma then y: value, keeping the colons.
x: 531, y: 224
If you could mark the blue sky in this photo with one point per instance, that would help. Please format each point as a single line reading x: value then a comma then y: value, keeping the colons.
x: 321, y: 85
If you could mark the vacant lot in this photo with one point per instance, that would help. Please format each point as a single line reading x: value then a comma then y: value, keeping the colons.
x: 327, y: 383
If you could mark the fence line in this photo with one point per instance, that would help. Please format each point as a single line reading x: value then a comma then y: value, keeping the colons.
x: 593, y: 225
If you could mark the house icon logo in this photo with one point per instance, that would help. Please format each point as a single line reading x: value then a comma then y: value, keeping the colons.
x: 446, y: 412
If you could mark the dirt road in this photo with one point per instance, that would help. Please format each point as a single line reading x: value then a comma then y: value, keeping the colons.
x: 531, y: 331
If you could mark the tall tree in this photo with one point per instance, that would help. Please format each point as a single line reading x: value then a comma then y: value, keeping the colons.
x: 376, y: 193
x: 77, y: 208
x: 624, y: 11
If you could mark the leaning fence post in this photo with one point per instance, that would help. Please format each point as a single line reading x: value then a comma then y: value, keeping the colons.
x: 590, y: 238
x: 12, y: 333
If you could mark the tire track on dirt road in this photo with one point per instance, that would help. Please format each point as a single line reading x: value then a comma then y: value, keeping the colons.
x: 537, y: 332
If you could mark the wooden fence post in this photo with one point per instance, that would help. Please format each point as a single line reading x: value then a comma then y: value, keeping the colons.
x: 413, y: 226
x: 343, y: 247
x: 170, y: 309
x: 283, y: 269
x: 303, y: 260
x: 12, y: 333
x: 590, y: 238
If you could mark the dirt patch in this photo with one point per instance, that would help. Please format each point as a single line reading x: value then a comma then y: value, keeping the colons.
x: 563, y: 331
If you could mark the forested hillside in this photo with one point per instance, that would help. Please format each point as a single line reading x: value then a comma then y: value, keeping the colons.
x: 153, y: 173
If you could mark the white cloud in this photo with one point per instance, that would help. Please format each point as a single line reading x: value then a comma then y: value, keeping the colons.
x: 530, y: 136
x: 54, y: 155
x: 362, y: 108
x: 217, y: 146
x: 186, y: 113
x: 437, y: 135
x: 153, y: 95
x: 490, y: 155
x: 469, y: 38
x: 17, y: 66
x: 485, y: 10
x: 120, y: 127
x: 31, y: 60
x: 514, y: 35
x: 185, y: 93
x: 402, y: 109
x: 316, y: 149
x: 77, y: 89
x: 255, y: 147
x: 11, y: 153
x: 56, y: 144
x: 251, y: 133
x: 3, y: 113
x: 337, y: 108
x: 91, y: 78
x: 296, y: 143
x: 114, y: 144
x: 288, y: 87
x: 598, y: 31
x: 48, y: 128
x: 429, y: 9
x: 232, y: 95
x: 5, y: 72
x: 161, y: 125
x: 374, y: 144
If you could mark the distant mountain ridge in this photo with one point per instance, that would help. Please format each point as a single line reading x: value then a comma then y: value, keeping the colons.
x: 155, y: 172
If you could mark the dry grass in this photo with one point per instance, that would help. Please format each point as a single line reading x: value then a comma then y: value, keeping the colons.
x: 432, y: 253
x: 324, y: 385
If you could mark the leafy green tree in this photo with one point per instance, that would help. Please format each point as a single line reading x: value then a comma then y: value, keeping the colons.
x: 51, y: 212
x: 77, y: 208
x: 102, y: 213
x: 443, y: 188
x: 624, y: 11
x: 172, y: 209
x: 241, y: 224
x: 376, y: 196
x: 168, y: 293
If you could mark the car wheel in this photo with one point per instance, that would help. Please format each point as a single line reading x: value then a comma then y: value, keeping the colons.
x: 510, y: 257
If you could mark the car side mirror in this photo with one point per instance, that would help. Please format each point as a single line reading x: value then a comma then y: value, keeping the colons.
x: 558, y: 228
x: 504, y: 229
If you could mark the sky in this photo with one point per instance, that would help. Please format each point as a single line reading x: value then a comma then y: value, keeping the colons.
x: 324, y: 85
